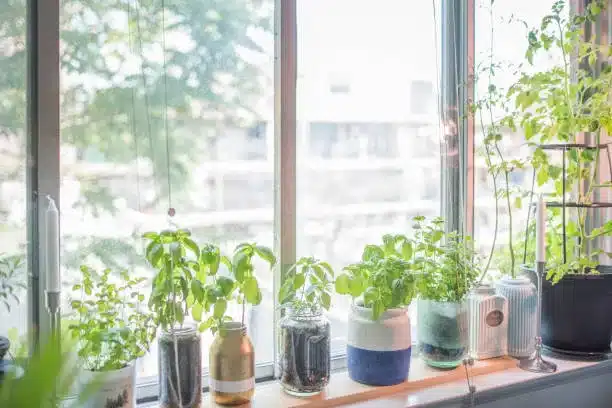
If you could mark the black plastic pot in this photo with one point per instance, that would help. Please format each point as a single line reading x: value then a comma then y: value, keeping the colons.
x: 577, y: 313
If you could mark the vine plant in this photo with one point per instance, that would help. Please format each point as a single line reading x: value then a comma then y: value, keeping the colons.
x: 561, y: 105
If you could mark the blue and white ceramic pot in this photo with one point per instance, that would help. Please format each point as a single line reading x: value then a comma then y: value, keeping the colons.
x: 378, y: 351
x: 522, y: 318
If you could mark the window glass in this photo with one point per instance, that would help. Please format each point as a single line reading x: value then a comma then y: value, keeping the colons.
x: 501, y: 38
x: 368, y: 130
x: 13, y: 166
x: 166, y: 108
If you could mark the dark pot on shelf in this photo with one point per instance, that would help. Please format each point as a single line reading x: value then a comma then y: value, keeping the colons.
x: 304, y: 351
x: 576, y: 313
x: 182, y: 375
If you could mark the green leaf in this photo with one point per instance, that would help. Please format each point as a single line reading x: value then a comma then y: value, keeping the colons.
x: 518, y: 202
x: 299, y: 280
x: 196, y: 312
x: 226, y: 285
x: 265, y: 253
x: 328, y: 268
x: 357, y: 286
x: 372, y: 252
x: 251, y: 291
x: 377, y: 309
x: 343, y: 284
x: 192, y: 246
x: 325, y: 300
x: 542, y: 176
x: 407, y: 250
x: 197, y: 289
x: 220, y: 308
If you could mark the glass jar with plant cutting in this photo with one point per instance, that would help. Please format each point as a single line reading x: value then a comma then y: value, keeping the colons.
x: 382, y: 286
x: 304, y: 331
x: 177, y: 293
x: 449, y: 269
x: 232, y: 356
x: 113, y: 329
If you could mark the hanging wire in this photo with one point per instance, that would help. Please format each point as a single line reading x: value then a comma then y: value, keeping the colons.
x: 171, y: 210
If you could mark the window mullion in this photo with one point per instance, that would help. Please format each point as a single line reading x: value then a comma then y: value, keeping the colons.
x: 285, y: 166
x: 43, y: 141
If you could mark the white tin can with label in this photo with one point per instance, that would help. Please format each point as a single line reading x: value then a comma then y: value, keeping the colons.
x: 488, y: 323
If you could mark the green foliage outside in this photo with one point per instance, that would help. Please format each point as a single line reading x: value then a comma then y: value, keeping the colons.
x: 117, y: 105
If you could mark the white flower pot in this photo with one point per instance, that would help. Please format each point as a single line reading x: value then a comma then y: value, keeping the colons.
x: 522, y: 317
x: 114, y: 389
x: 378, y: 351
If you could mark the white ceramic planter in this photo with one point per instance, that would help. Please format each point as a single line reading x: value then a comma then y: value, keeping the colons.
x: 114, y: 389
x: 522, y: 317
x: 488, y: 323
x: 378, y: 351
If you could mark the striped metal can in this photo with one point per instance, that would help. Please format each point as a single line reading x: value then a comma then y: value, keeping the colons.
x: 232, y: 365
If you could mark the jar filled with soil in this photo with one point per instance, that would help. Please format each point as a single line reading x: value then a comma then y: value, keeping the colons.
x: 304, y: 351
x: 442, y: 329
x: 180, y: 368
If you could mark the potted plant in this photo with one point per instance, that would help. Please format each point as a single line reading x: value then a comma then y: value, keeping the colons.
x: 564, y: 113
x: 11, y: 266
x: 449, y: 269
x: 231, y: 356
x: 112, y: 330
x: 492, y: 113
x: 382, y: 286
x: 304, y: 331
x: 176, y: 296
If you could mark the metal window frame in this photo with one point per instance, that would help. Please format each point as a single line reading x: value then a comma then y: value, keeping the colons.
x: 43, y: 147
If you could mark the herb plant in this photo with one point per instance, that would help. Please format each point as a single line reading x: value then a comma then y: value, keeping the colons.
x: 11, y: 272
x: 242, y: 269
x: 560, y: 105
x: 180, y: 275
x: 385, y: 277
x: 112, y: 327
x: 308, y: 285
x: 448, y: 262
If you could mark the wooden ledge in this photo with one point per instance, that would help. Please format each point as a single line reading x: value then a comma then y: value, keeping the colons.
x: 342, y: 390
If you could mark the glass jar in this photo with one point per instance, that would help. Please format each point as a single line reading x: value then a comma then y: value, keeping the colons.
x: 180, y: 368
x: 304, y: 351
x: 442, y: 329
x: 232, y: 365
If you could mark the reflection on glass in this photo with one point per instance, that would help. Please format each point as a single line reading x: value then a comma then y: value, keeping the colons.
x: 166, y: 109
x: 368, y: 128
x: 13, y: 163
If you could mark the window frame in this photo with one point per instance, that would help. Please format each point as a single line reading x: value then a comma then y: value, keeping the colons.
x: 43, y: 148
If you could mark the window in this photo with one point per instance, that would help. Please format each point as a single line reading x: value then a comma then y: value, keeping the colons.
x: 366, y: 161
x: 13, y: 167
x: 166, y: 108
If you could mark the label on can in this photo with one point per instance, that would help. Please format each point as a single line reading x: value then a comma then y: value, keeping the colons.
x: 232, y: 387
x: 495, y: 318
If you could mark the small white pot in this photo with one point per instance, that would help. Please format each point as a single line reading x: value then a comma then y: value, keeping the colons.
x: 488, y: 323
x: 522, y: 308
x: 114, y: 389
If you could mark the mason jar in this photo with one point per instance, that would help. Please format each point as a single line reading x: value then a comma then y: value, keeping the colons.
x: 304, y: 351
x: 232, y: 365
x: 180, y: 368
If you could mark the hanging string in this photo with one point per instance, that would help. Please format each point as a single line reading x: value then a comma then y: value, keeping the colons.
x: 145, y: 85
x: 134, y: 134
x: 171, y: 210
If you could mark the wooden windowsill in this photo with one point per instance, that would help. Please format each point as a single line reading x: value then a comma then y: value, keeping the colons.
x: 342, y: 390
